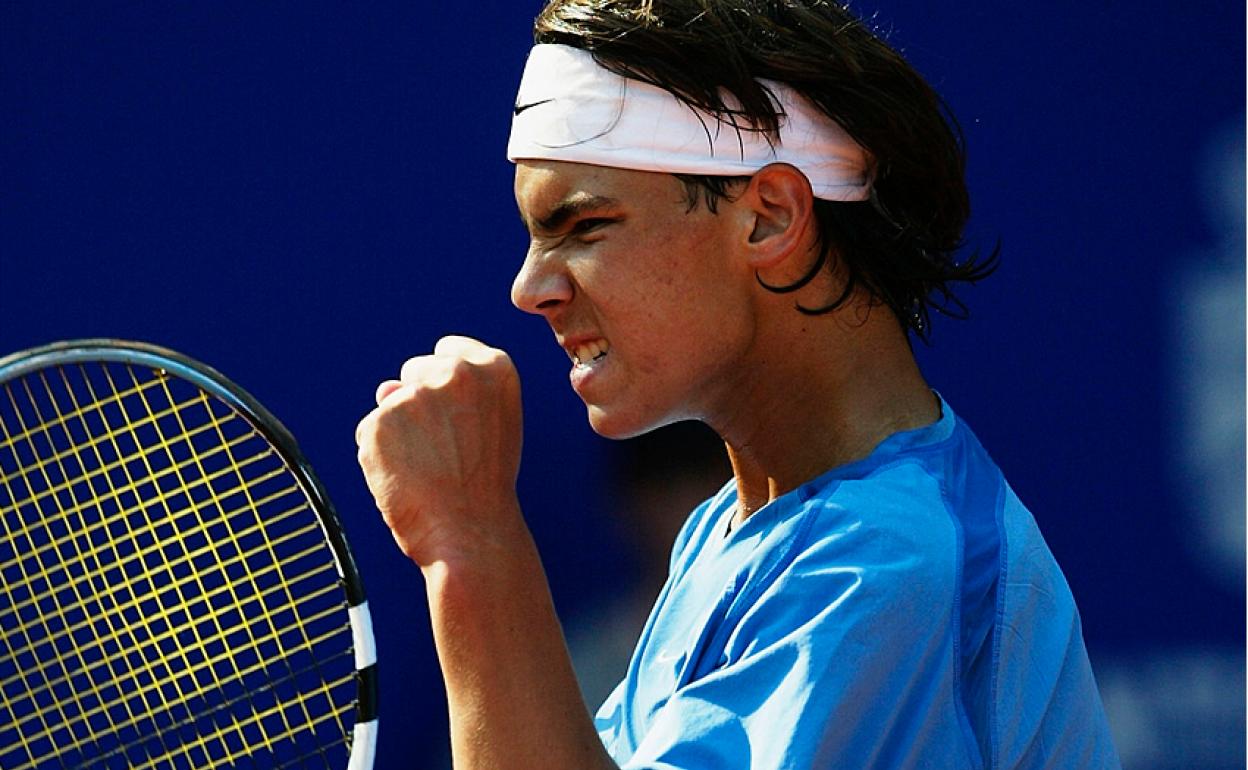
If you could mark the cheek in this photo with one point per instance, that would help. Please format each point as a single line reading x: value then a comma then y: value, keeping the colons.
x: 694, y: 311
x: 689, y: 261
x: 670, y: 294
x: 638, y: 284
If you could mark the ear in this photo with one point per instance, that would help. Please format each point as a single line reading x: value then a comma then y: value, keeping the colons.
x: 780, y: 203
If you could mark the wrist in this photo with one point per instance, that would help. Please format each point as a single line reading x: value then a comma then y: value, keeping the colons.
x: 511, y: 691
x: 472, y: 539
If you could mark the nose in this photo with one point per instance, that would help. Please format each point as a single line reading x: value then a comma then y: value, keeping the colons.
x: 542, y: 285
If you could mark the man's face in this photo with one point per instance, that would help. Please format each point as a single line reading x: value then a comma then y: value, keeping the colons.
x: 650, y: 300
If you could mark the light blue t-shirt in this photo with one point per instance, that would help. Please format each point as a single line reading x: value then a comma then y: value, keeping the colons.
x: 901, y: 611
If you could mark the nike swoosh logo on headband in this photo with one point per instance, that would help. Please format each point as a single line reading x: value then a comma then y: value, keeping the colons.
x: 519, y: 108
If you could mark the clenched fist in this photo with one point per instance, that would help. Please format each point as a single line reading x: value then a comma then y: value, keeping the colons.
x: 441, y: 451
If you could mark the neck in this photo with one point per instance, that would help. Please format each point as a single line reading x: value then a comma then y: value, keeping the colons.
x: 825, y: 397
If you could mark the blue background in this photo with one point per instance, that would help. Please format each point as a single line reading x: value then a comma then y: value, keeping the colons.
x: 304, y: 195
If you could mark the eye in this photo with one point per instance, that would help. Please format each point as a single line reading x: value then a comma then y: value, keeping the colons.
x: 589, y: 225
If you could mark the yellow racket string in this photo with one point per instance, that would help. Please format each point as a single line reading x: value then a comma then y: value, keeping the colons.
x: 254, y: 719
x: 60, y: 659
x: 90, y: 568
x: 118, y: 654
x: 134, y: 603
x: 104, y: 469
x: 187, y: 558
x: 246, y: 490
x: 12, y: 439
x: 159, y: 657
x: 13, y: 653
x: 130, y: 425
x: 207, y: 665
x: 81, y: 562
x: 289, y: 596
x: 229, y: 759
x: 28, y: 434
x: 217, y: 502
x: 8, y: 704
x: 92, y: 552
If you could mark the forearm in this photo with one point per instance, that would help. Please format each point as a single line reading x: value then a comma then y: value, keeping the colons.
x: 513, y: 697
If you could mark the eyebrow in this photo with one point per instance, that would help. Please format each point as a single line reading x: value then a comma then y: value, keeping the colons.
x: 570, y: 207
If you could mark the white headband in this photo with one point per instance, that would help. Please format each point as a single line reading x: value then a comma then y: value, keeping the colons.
x: 570, y: 108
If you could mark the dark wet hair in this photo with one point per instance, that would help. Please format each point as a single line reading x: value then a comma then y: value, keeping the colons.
x: 900, y: 244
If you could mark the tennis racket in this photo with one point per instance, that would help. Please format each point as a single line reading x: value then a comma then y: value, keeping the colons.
x: 175, y: 587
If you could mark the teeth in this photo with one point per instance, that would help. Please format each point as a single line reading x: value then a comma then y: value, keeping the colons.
x: 590, y: 351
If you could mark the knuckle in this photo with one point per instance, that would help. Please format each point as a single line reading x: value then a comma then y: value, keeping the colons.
x: 498, y: 359
x: 412, y: 367
x: 462, y: 367
x: 389, y: 415
x: 364, y: 428
x: 364, y: 456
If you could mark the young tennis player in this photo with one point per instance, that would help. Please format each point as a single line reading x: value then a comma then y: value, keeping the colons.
x: 741, y: 212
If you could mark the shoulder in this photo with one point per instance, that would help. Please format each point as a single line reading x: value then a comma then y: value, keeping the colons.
x: 856, y: 555
x: 893, y: 533
x: 892, y: 525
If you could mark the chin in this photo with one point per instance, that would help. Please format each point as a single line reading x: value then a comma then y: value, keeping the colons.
x: 610, y: 426
x: 618, y: 426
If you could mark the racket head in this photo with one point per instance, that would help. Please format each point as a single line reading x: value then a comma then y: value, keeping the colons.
x: 179, y: 589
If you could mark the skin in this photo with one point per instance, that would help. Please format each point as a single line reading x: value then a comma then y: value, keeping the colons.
x: 634, y: 267
x: 618, y: 261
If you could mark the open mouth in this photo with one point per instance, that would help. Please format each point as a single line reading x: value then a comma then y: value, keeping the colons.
x: 587, y: 353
